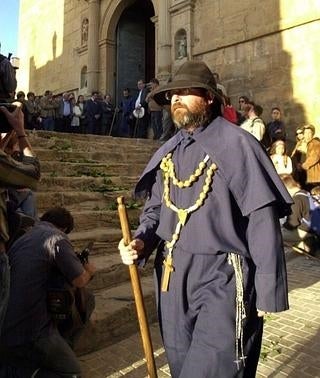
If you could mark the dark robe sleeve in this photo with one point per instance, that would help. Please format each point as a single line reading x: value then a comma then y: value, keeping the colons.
x: 246, y: 167
x: 266, y: 250
x: 149, y: 220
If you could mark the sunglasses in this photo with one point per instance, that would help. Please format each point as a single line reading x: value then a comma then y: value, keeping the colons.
x: 185, y: 92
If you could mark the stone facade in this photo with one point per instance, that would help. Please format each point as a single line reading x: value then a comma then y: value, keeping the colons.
x: 266, y: 50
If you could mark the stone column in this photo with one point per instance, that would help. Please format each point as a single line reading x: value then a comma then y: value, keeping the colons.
x: 164, y: 41
x: 93, y: 45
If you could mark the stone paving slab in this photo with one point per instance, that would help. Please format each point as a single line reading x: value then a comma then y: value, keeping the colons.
x: 291, y: 342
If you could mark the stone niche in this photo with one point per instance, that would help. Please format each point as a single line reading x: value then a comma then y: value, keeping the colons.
x: 181, y: 44
x: 84, y: 78
x: 84, y: 31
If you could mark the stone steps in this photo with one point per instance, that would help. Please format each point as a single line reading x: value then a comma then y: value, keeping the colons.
x: 85, y: 200
x: 85, y: 220
x: 42, y: 136
x: 105, y: 239
x: 86, y: 174
x: 109, y: 143
x: 114, y: 317
x: 85, y: 183
x: 90, y: 157
x: 111, y: 272
x: 92, y: 169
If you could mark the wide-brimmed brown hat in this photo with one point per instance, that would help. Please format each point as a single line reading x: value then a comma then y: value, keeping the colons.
x: 192, y: 74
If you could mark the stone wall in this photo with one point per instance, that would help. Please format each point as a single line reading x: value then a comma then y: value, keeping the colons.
x: 49, y: 34
x: 267, y: 50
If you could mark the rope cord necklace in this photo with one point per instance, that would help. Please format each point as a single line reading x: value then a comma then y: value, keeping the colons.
x: 167, y: 166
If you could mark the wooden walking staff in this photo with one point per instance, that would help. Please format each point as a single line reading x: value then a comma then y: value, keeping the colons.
x: 137, y: 293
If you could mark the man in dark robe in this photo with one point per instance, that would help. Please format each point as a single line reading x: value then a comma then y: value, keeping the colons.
x: 212, y: 213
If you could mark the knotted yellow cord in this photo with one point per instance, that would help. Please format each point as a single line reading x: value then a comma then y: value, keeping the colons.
x: 167, y: 167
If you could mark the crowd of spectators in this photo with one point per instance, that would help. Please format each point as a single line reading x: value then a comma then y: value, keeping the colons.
x: 135, y: 116
x: 299, y: 170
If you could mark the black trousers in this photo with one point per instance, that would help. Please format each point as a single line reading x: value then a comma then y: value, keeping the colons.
x: 64, y: 124
x: 51, y: 355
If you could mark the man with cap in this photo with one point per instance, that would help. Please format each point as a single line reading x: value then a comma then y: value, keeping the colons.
x: 212, y: 214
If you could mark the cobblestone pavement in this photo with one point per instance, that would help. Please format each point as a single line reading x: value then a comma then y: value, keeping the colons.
x: 291, y: 343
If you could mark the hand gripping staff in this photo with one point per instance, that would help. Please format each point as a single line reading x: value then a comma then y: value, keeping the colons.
x: 137, y: 293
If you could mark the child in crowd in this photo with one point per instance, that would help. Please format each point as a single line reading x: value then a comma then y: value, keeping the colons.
x: 281, y: 161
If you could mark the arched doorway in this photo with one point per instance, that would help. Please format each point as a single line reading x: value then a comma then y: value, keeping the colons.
x: 135, y: 55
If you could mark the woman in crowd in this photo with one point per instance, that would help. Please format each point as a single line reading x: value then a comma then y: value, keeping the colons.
x: 79, y: 111
x: 75, y: 121
x: 281, y: 161
x: 298, y: 156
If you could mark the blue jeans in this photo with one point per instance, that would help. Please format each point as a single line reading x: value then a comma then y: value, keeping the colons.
x: 48, y: 123
x: 25, y: 201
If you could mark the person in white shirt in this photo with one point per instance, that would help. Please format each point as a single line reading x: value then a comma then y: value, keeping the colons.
x: 141, y: 115
x: 254, y: 124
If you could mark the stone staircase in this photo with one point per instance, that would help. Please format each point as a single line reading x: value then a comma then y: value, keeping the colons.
x: 86, y: 174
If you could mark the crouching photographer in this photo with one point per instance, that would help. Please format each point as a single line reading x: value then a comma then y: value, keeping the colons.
x: 42, y: 261
x: 13, y: 174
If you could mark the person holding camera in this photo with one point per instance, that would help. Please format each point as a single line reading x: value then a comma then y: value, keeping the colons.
x: 8, y: 81
x: 30, y: 340
x: 24, y: 173
x: 13, y: 174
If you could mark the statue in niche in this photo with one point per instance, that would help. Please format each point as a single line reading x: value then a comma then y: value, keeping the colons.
x: 182, y: 47
x: 84, y: 31
x: 84, y: 77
